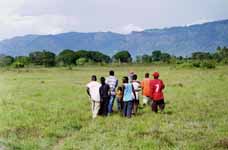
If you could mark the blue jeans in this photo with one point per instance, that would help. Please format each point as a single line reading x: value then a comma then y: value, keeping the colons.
x: 127, y: 109
x: 119, y: 104
x: 110, y: 104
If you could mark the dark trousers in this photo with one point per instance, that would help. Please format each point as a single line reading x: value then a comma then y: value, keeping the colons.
x: 156, y: 104
x: 104, y: 106
x: 135, y: 106
x: 127, y: 109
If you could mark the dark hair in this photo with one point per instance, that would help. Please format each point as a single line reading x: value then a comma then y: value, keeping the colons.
x: 102, y: 80
x: 147, y: 75
x: 134, y: 77
x: 120, y: 88
x: 125, y: 79
x: 94, y: 78
x: 111, y: 73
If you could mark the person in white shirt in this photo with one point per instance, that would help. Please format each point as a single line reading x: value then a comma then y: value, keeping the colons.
x: 93, y: 91
x: 137, y: 87
x: 112, y: 82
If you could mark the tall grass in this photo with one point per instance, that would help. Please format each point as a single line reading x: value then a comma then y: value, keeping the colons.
x: 49, y: 109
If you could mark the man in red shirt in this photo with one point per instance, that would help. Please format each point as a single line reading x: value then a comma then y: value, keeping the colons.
x: 156, y: 86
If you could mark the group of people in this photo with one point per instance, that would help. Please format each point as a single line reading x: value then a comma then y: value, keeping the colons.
x: 102, y: 95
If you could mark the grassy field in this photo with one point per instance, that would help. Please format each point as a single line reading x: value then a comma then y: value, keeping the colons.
x: 48, y: 109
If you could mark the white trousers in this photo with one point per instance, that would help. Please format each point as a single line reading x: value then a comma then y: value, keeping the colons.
x: 95, y: 106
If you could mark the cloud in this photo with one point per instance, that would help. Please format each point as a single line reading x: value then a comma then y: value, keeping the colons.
x: 14, y: 23
x: 20, y: 17
x: 10, y: 6
x: 45, y: 24
x: 200, y: 21
x: 130, y: 27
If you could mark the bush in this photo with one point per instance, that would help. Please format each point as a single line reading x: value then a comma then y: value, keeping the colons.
x: 81, y: 61
x: 6, y: 61
x: 208, y: 64
x: 185, y: 65
x: 196, y: 64
x: 225, y: 61
x: 179, y: 62
x: 18, y: 65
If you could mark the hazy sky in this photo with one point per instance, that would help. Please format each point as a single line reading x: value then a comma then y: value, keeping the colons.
x: 21, y: 17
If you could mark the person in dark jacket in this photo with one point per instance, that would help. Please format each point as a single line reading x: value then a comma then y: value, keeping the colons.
x: 104, y: 95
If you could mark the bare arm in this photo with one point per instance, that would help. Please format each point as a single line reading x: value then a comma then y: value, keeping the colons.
x: 133, y: 91
x: 87, y: 90
x: 123, y: 91
x: 116, y: 83
x: 163, y: 85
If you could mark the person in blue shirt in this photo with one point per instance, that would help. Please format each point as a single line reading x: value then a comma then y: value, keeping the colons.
x: 128, y: 97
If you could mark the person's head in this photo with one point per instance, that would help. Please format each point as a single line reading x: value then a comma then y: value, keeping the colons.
x: 120, y: 88
x: 156, y: 75
x: 131, y: 72
x: 147, y: 75
x: 134, y: 77
x: 102, y: 80
x: 94, y: 78
x: 125, y: 79
x: 111, y: 73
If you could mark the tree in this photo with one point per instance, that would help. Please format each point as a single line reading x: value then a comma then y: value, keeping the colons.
x: 81, y: 61
x: 123, y: 57
x: 36, y: 57
x: 45, y: 58
x: 139, y: 59
x: 48, y: 59
x: 156, y: 55
x: 222, y: 55
x: 82, y: 54
x: 201, y: 55
x: 146, y: 59
x: 93, y: 56
x: 67, y: 57
x: 99, y: 57
x: 22, y: 60
x: 165, y: 57
x: 6, y: 60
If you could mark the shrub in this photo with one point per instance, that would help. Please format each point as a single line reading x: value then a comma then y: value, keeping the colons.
x: 179, y: 62
x: 196, y: 64
x: 186, y: 65
x: 208, y: 64
x: 81, y: 61
x: 6, y: 60
x: 18, y: 65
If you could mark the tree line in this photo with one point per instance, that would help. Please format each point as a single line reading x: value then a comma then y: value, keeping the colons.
x: 66, y: 57
x: 69, y: 57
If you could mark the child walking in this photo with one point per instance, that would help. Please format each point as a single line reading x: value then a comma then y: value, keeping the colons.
x: 119, y: 98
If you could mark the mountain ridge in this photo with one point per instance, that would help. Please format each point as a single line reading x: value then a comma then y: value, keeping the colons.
x: 178, y: 41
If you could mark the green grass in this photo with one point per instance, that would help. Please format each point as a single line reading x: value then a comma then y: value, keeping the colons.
x: 49, y: 109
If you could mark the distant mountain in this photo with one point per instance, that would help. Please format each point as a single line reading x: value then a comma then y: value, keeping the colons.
x: 176, y: 40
